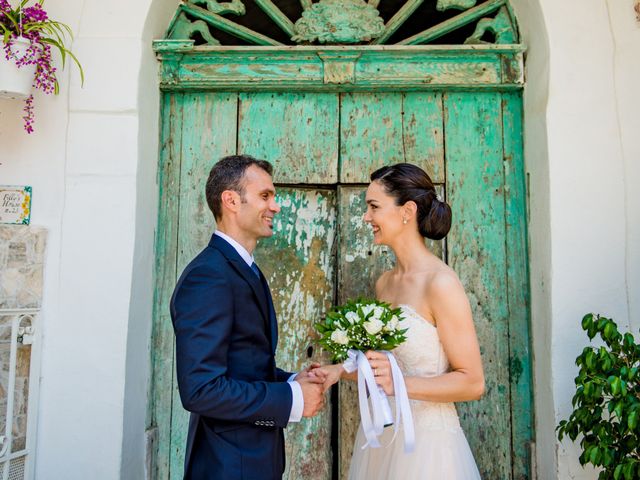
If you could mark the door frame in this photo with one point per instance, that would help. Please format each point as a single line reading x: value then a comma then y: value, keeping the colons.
x: 186, y: 67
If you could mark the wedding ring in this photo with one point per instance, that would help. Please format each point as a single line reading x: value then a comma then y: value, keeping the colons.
x: 375, y: 372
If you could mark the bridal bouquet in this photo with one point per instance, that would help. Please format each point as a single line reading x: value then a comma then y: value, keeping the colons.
x: 354, y: 328
x: 361, y: 325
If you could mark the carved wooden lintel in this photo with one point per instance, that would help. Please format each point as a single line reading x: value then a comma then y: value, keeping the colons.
x: 339, y: 68
x: 339, y: 21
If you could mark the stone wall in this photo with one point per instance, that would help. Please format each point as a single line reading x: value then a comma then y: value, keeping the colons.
x: 21, y: 266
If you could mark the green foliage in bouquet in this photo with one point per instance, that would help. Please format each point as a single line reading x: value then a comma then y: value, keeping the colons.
x: 361, y: 325
x: 607, y: 402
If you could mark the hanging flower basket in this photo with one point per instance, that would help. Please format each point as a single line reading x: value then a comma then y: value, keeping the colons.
x: 28, y: 38
x: 16, y: 80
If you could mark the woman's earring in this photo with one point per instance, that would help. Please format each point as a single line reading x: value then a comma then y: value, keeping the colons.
x: 405, y: 221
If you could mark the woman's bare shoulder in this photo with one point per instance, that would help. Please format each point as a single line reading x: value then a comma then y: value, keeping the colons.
x: 443, y: 283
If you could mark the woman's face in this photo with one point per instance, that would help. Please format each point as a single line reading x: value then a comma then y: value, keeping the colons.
x: 384, y: 216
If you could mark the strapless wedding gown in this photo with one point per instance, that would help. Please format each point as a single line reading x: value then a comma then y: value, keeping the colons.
x: 441, y: 449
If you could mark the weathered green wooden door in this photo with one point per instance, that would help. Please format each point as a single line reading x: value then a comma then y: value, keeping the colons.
x: 326, y: 117
x: 324, y: 146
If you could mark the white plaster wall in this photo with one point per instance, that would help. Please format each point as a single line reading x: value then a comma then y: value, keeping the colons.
x: 581, y: 159
x: 92, y: 163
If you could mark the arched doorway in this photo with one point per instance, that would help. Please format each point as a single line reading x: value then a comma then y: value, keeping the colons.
x: 436, y: 83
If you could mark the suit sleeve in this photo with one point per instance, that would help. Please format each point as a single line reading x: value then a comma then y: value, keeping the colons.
x: 200, y: 311
x: 282, y: 376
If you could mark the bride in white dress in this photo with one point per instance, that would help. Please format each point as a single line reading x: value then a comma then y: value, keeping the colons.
x: 440, y: 359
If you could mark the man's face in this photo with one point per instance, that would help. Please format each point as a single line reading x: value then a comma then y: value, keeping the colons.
x: 258, y: 206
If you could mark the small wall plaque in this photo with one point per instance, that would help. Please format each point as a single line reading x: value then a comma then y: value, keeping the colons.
x: 15, y: 204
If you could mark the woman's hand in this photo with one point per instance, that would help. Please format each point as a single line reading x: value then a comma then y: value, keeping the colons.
x: 308, y: 373
x: 381, y: 370
x: 330, y: 373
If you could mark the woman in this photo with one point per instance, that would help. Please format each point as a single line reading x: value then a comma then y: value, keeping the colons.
x: 440, y: 359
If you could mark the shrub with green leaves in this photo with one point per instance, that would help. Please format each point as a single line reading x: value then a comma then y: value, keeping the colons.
x: 606, y: 405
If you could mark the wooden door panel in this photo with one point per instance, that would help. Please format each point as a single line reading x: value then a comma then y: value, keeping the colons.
x: 215, y: 112
x: 422, y: 131
x: 476, y: 251
x: 297, y: 132
x: 518, y: 287
x: 163, y: 343
x: 378, y: 129
x: 370, y: 134
x: 299, y: 263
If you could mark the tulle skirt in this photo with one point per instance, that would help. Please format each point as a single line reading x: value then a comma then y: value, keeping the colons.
x: 439, y: 454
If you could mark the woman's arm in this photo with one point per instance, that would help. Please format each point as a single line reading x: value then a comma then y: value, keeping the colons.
x: 450, y: 308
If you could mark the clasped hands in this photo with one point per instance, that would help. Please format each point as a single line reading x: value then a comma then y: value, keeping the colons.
x: 316, y: 379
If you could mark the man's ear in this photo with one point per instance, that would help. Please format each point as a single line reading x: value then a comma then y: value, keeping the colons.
x: 230, y: 200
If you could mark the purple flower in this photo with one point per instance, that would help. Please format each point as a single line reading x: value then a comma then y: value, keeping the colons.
x: 39, y: 29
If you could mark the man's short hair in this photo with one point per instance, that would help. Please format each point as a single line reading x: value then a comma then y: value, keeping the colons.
x: 227, y: 174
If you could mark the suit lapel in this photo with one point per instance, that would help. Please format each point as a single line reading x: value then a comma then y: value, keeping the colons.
x: 245, y: 272
x: 273, y: 326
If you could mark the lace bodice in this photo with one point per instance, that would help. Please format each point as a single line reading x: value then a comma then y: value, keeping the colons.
x: 422, y: 355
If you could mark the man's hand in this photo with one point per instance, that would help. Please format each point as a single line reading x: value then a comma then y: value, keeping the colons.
x: 312, y: 393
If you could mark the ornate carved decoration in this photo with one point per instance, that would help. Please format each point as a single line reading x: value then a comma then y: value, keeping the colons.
x: 457, y: 4
x: 235, y: 7
x: 339, y: 21
x: 186, y: 29
x: 501, y: 26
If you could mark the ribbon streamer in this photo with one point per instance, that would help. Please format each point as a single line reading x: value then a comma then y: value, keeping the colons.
x: 373, y: 422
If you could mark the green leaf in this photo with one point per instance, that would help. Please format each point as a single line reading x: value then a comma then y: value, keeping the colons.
x: 587, y: 321
x: 632, y: 420
x: 594, y: 455
x: 629, y: 341
x: 615, y: 384
x: 627, y: 470
x: 590, y: 359
x: 617, y: 473
x: 618, y: 408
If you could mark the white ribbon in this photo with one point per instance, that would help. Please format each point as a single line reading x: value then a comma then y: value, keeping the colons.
x: 373, y: 426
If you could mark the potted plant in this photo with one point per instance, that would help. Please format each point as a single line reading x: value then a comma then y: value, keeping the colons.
x: 606, y: 405
x: 28, y: 36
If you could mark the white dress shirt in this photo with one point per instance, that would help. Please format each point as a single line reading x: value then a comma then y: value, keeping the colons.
x: 296, y: 390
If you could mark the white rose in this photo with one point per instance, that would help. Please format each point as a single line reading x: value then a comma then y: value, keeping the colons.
x: 352, y: 317
x: 340, y: 336
x: 393, y: 324
x: 373, y: 326
x: 367, y: 309
x: 378, y: 312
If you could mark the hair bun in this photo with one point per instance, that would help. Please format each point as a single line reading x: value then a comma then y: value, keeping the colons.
x: 435, y: 222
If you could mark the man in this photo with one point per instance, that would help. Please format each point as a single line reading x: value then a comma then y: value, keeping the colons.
x: 226, y: 336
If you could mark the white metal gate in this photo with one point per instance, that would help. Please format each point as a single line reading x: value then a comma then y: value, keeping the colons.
x: 19, y: 375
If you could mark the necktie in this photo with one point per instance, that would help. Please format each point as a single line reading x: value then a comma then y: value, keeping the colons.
x: 255, y: 269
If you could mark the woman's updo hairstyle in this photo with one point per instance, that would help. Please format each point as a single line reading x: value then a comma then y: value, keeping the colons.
x: 406, y: 182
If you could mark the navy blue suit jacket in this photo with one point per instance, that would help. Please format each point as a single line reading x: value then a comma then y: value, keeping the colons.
x: 226, y: 336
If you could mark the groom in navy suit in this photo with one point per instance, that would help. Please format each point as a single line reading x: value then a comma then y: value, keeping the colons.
x: 226, y: 336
